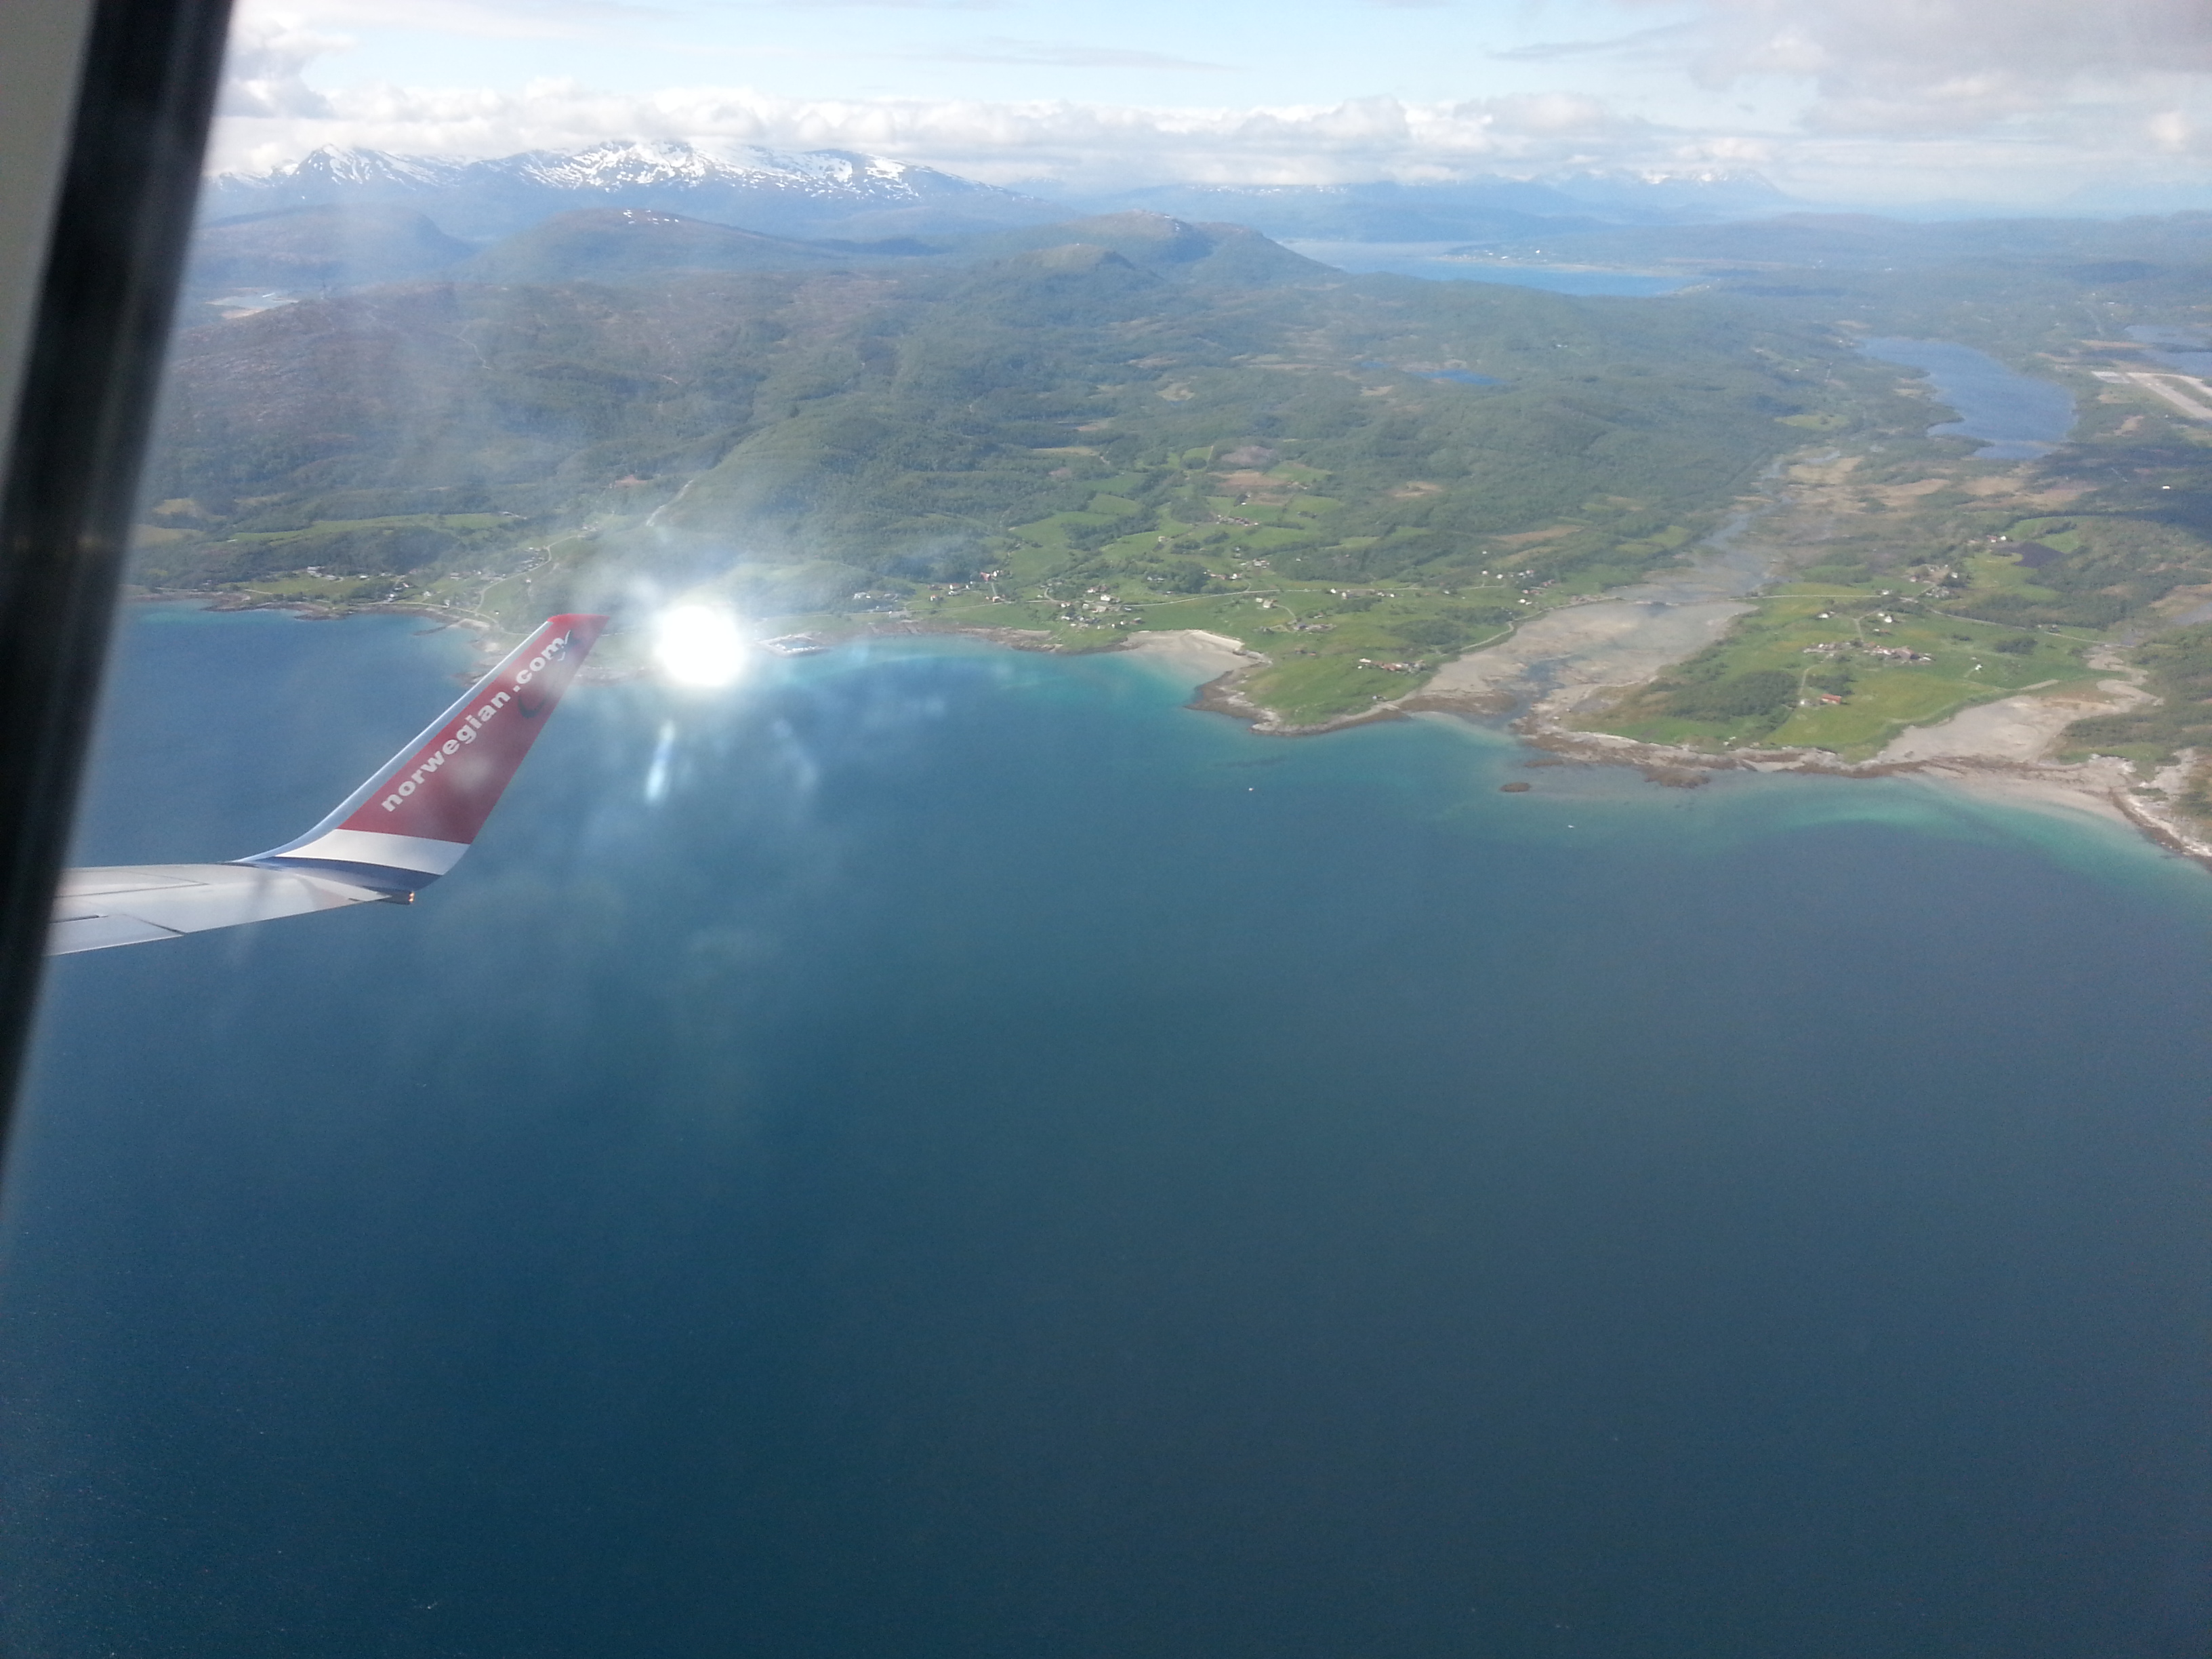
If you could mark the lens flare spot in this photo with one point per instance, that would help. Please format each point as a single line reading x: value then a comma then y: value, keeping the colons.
x: 699, y: 645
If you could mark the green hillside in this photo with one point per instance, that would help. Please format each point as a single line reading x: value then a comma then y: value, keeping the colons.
x: 1143, y: 427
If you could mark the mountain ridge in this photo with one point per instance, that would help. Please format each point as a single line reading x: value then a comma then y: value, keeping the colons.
x: 779, y: 193
x: 255, y: 260
x: 1485, y: 207
x: 828, y: 193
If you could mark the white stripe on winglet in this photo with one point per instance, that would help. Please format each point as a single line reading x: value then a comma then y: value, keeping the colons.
x: 392, y: 851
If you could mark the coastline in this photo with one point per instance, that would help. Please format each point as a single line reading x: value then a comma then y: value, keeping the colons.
x: 1997, y: 750
x: 1568, y: 659
x: 305, y: 610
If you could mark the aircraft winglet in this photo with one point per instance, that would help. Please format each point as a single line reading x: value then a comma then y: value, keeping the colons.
x: 397, y: 832
x: 411, y: 822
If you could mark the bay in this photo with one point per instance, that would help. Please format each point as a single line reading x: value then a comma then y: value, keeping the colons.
x: 942, y: 1151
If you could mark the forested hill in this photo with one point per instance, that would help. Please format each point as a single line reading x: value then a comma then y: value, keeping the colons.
x: 827, y: 428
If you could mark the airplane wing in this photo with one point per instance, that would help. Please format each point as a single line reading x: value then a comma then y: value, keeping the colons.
x: 136, y: 903
x: 406, y: 826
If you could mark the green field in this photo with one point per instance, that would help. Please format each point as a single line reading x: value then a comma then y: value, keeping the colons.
x: 1124, y: 447
x: 1821, y: 682
x: 1194, y: 565
x: 1068, y: 442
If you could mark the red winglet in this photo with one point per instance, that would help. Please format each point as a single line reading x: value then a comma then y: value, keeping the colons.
x: 419, y: 813
x: 445, y: 787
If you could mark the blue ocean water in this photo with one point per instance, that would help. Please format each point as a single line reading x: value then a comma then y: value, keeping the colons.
x: 2016, y: 417
x: 936, y: 1151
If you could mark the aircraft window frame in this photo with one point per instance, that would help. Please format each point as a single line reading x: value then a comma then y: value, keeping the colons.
x: 114, y: 254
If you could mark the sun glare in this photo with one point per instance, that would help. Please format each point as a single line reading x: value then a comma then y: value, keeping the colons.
x: 699, y: 645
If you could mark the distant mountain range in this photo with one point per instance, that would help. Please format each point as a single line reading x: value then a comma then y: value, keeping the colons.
x: 622, y: 244
x: 306, y: 250
x: 256, y: 260
x: 840, y: 194
x: 622, y: 213
x: 342, y: 218
x: 1472, y: 210
x: 811, y: 193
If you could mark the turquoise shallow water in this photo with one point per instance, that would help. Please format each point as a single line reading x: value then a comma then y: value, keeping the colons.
x: 938, y: 1151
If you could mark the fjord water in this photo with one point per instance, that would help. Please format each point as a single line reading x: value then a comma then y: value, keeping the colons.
x: 2016, y: 417
x: 942, y: 1152
x: 1456, y: 262
x: 2174, y: 348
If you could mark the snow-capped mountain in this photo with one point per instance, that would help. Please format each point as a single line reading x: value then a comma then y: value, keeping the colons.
x: 829, y: 173
x: 809, y: 192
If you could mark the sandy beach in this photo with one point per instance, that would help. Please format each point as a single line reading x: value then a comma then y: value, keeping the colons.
x: 1193, y: 653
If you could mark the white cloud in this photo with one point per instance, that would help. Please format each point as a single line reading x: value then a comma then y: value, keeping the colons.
x: 1865, y: 100
x: 999, y: 50
x: 1082, y: 144
x: 492, y: 20
x: 263, y: 73
x: 1905, y: 67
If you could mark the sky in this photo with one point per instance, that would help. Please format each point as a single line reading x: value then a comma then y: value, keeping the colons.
x: 2081, y: 104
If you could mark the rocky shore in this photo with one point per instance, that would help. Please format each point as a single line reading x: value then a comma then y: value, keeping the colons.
x: 1570, y: 661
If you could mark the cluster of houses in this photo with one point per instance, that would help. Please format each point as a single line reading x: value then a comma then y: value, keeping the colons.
x: 1390, y: 667
x: 1886, y: 653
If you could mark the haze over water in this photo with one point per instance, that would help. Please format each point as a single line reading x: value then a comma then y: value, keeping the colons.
x: 1456, y: 262
x: 941, y: 1151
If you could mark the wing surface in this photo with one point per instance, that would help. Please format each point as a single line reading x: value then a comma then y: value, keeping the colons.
x: 137, y: 904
